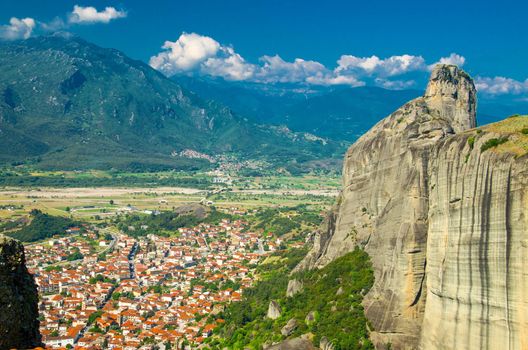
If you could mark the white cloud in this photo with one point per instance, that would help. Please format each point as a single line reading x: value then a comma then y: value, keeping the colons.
x: 90, y: 14
x: 17, y: 29
x: 275, y: 69
x: 193, y: 53
x: 25, y: 27
x: 394, y: 84
x: 53, y: 25
x: 185, y: 54
x: 500, y: 86
x: 453, y: 58
x: 229, y: 65
x: 335, y: 80
x: 373, y: 65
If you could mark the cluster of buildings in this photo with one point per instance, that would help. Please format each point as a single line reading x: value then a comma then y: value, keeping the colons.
x: 149, y: 292
x: 61, y: 249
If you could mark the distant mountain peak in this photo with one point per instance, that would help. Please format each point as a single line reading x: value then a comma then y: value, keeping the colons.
x: 65, y: 102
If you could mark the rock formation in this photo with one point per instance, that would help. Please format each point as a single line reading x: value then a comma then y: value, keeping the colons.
x: 274, y: 310
x: 293, y: 344
x: 477, y: 247
x: 326, y: 344
x: 19, y: 325
x: 294, y: 286
x: 310, y: 318
x: 290, y: 327
x: 414, y: 204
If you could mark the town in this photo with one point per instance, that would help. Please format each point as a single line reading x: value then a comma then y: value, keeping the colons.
x: 103, y: 289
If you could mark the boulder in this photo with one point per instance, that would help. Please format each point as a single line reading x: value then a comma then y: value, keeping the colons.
x: 294, y: 286
x: 293, y: 344
x: 325, y: 344
x: 289, y: 328
x: 274, y: 310
x: 310, y: 318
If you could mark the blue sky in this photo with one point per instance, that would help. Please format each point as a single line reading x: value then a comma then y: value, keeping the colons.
x: 264, y: 40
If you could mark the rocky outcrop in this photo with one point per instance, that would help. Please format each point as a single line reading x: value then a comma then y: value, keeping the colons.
x: 274, y: 310
x: 326, y: 344
x: 441, y: 210
x: 310, y: 318
x: 290, y: 327
x: 384, y: 203
x: 294, y: 286
x: 320, y: 241
x: 19, y: 325
x: 477, y: 247
x: 293, y: 344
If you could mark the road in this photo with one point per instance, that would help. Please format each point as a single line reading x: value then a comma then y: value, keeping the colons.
x: 131, y: 257
x: 131, y: 266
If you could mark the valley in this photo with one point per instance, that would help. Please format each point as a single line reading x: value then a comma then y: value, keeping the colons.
x: 181, y: 175
x: 220, y: 258
x: 127, y: 270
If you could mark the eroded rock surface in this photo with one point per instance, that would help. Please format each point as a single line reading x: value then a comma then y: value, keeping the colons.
x: 290, y: 327
x: 384, y: 203
x: 294, y: 286
x: 477, y: 248
x: 274, y: 310
x: 444, y: 221
x: 293, y: 344
x: 19, y: 325
x: 326, y: 344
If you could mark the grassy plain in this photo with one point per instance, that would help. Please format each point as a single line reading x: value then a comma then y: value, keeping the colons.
x: 97, y: 203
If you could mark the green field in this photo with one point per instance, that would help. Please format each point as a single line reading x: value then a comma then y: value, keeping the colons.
x: 75, y: 194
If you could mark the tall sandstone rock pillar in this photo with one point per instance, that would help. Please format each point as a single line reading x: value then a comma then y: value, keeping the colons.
x: 477, y: 247
x: 384, y: 204
x: 19, y: 325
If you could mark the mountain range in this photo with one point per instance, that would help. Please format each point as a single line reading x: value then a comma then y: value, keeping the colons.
x: 66, y: 103
x: 334, y: 112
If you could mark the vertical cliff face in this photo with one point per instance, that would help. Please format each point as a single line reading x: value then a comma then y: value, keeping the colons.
x: 19, y: 325
x: 477, y: 246
x: 384, y: 205
x: 442, y: 209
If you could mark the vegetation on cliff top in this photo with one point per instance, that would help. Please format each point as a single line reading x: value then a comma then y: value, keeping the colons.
x: 338, y: 316
x: 514, y: 139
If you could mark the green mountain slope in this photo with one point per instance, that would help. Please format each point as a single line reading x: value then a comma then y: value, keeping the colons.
x: 328, y: 305
x: 66, y: 103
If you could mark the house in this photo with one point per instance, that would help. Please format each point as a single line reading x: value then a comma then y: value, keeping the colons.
x: 59, y: 342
